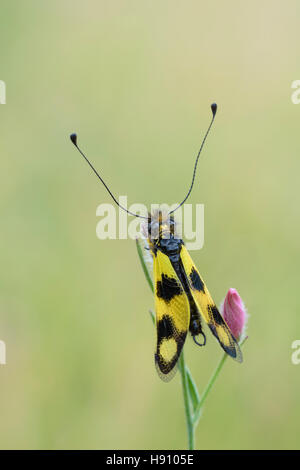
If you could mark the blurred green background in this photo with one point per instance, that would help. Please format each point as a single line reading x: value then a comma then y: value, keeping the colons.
x: 135, y: 80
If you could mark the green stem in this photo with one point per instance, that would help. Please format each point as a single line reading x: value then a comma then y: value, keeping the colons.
x: 187, y: 404
x: 208, y: 387
x: 210, y: 384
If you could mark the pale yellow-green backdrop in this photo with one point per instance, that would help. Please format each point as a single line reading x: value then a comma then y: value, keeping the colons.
x: 135, y: 79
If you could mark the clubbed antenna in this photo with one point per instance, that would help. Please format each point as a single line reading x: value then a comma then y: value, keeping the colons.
x: 214, y: 110
x: 73, y: 138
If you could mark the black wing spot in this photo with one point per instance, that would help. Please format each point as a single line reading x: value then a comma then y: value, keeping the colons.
x: 216, y: 315
x: 165, y: 367
x: 168, y: 288
x: 197, y: 284
x: 165, y: 328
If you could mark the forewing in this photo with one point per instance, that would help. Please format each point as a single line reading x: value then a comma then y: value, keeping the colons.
x: 208, y: 308
x: 172, y: 316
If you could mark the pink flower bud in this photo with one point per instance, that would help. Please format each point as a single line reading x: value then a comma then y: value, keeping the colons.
x: 234, y: 313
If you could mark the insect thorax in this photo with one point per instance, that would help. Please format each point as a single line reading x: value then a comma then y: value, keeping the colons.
x: 162, y: 233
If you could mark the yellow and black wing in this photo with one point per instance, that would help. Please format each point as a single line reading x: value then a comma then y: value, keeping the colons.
x: 172, y: 316
x: 208, y: 308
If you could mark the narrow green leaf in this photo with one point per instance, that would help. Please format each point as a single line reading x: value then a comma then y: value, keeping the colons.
x: 193, y: 391
x: 187, y: 402
x: 152, y: 315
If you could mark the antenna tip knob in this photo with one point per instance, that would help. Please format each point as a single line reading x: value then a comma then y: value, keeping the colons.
x: 73, y: 138
x: 214, y: 108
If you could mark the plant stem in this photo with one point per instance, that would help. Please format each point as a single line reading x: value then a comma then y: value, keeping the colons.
x: 187, y: 404
x: 208, y: 387
x: 210, y: 384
